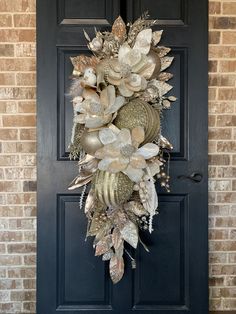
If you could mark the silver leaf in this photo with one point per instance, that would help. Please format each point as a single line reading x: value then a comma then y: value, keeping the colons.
x: 130, y: 233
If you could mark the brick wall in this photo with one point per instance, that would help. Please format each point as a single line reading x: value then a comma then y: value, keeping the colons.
x: 222, y: 154
x: 17, y: 155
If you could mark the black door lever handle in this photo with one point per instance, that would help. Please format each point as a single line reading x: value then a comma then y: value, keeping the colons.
x: 195, y: 177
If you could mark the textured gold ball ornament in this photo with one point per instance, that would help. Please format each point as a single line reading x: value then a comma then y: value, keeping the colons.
x: 90, y: 142
x: 154, y: 58
x: 112, y: 189
x: 139, y: 113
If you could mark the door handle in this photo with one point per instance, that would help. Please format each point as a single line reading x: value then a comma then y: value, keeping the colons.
x: 195, y: 177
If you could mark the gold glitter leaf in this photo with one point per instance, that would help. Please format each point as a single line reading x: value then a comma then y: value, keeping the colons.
x: 119, y: 29
x: 82, y: 62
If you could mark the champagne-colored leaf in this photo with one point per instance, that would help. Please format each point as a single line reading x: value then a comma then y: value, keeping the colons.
x: 165, y: 76
x: 116, y: 268
x: 108, y: 255
x: 156, y: 37
x: 130, y: 234
x: 166, y: 62
x: 103, y: 245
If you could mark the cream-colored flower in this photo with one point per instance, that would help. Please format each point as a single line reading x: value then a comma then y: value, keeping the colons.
x: 97, y: 110
x: 132, y: 67
x: 121, y: 152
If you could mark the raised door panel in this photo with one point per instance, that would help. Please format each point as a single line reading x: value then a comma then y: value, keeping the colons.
x: 168, y: 12
x: 75, y: 12
x: 76, y: 265
x: 161, y: 282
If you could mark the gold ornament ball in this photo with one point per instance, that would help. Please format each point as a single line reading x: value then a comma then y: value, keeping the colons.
x: 112, y: 189
x: 154, y: 58
x: 139, y: 113
x: 90, y: 142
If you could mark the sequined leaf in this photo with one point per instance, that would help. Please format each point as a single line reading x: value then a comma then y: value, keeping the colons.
x: 103, y: 245
x: 166, y: 62
x: 116, y: 268
x: 130, y: 233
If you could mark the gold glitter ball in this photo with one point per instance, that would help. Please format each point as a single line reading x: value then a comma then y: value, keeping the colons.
x: 139, y: 113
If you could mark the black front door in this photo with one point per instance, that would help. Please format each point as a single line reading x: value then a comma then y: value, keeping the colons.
x: 173, y: 277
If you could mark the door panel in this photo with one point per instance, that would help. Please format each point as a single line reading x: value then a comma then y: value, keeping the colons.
x: 173, y: 277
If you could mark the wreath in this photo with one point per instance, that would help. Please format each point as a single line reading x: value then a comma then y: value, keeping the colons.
x: 118, y: 96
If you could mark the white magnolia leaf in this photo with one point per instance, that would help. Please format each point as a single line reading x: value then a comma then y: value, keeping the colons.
x: 156, y: 37
x: 130, y: 233
x: 151, y: 200
x: 116, y: 268
x: 124, y: 49
x: 143, y: 41
x: 80, y: 180
x: 134, y: 174
x: 166, y: 62
x: 148, y: 150
x: 119, y: 102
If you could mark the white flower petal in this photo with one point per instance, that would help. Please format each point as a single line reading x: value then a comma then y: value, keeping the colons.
x: 143, y: 41
x: 124, y: 90
x: 107, y: 136
x: 124, y: 137
x: 96, y: 121
x: 135, y: 175
x: 124, y: 49
x: 133, y: 57
x: 119, y: 102
x: 148, y: 150
x: 104, y: 163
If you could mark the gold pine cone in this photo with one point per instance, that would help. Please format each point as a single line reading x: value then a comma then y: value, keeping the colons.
x: 139, y: 113
x: 112, y: 189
